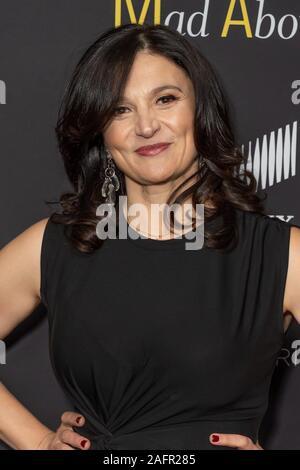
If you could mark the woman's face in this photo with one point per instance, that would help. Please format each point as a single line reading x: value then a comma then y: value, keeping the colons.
x: 145, y: 117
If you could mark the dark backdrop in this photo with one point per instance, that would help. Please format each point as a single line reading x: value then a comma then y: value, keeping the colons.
x: 258, y: 62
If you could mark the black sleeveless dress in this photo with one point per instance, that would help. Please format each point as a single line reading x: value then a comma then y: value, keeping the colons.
x: 159, y: 346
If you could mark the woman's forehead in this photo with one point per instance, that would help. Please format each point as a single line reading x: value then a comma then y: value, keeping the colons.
x: 151, y: 77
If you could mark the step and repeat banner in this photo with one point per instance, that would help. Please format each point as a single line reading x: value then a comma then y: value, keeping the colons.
x: 254, y: 47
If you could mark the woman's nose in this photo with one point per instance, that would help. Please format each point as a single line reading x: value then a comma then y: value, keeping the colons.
x: 146, y: 124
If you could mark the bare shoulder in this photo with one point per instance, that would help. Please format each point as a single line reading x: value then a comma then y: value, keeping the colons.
x: 28, y: 241
x: 292, y: 288
x: 20, y: 275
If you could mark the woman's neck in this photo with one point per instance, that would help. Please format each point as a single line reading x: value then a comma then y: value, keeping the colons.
x: 150, y: 222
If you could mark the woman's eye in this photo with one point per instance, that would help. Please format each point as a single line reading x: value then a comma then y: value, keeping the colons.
x: 168, y: 97
x: 165, y: 97
x: 118, y: 109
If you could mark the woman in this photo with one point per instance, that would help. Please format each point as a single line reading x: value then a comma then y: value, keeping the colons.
x: 157, y: 346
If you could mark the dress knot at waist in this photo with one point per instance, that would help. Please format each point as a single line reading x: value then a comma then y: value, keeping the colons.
x: 191, y: 435
x: 102, y: 442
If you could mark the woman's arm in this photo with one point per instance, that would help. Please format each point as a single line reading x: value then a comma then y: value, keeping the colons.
x: 292, y: 288
x: 19, y: 428
x: 20, y: 277
x: 22, y: 431
x: 20, y: 282
x: 19, y: 296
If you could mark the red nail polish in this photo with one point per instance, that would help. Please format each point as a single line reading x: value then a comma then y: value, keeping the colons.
x: 82, y: 443
x: 215, y: 438
x: 78, y: 419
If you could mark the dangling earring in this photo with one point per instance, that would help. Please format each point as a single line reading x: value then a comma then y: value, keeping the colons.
x: 111, y: 183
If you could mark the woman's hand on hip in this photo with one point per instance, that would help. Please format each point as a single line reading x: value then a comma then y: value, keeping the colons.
x: 237, y: 441
x: 65, y: 438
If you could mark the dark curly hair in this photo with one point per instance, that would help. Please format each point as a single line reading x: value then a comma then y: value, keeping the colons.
x: 88, y: 104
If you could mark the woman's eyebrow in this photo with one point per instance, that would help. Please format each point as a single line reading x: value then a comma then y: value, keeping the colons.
x: 157, y: 89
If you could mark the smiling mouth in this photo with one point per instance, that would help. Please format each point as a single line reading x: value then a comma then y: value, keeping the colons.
x: 152, y: 150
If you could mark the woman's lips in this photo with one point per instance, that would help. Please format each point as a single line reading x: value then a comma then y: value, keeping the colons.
x: 152, y: 150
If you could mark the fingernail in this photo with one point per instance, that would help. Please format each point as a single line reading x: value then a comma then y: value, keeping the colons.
x: 82, y: 443
x: 78, y: 419
x: 215, y: 438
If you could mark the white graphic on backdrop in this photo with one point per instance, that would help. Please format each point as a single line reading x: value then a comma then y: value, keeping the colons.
x: 295, y: 97
x: 2, y: 352
x: 284, y: 218
x: 290, y: 355
x: 2, y: 92
x: 272, y: 159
